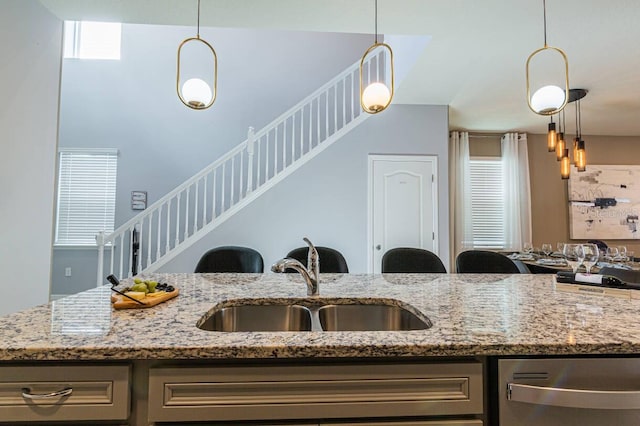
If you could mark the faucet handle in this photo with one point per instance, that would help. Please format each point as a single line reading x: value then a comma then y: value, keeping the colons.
x: 313, y: 258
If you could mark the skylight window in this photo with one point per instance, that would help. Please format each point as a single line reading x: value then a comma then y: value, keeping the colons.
x: 92, y: 40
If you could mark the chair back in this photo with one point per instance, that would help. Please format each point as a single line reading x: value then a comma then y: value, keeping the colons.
x: 411, y: 260
x: 602, y: 246
x: 231, y: 259
x: 486, y: 262
x: 331, y: 260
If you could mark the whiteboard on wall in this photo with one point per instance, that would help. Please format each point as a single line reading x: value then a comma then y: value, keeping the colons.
x: 604, y: 202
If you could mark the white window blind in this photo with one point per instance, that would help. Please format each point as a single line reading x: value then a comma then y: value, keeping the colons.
x: 86, y: 195
x: 487, y: 203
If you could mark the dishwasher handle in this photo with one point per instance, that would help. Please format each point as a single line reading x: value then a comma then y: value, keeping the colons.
x: 574, y: 398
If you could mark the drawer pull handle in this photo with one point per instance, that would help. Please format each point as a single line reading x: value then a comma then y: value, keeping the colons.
x: 26, y: 393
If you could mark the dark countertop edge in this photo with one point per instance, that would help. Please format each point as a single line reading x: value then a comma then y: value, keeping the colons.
x: 252, y: 353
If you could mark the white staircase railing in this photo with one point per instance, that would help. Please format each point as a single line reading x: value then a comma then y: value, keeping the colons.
x: 190, y: 211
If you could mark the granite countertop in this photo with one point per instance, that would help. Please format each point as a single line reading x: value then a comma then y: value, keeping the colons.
x: 472, y: 315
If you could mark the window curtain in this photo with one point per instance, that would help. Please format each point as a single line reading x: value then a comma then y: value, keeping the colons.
x: 461, y: 229
x: 517, y: 192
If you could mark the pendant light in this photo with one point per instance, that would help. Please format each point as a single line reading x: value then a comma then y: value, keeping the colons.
x: 562, y: 122
x: 376, y: 96
x: 581, y: 164
x: 195, y: 92
x: 552, y: 136
x: 560, y: 143
x: 565, y: 165
x: 562, y: 151
x: 581, y: 154
x: 576, y: 139
x: 549, y: 99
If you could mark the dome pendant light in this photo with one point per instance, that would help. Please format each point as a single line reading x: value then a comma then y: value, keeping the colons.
x: 377, y: 96
x: 549, y: 99
x: 195, y: 92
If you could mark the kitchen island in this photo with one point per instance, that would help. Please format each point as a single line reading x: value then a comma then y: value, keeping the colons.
x: 474, y: 318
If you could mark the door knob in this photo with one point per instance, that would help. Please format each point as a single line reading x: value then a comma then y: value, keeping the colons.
x: 378, y: 247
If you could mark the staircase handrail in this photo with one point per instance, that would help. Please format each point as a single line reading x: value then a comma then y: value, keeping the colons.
x: 151, y: 209
x: 322, y: 89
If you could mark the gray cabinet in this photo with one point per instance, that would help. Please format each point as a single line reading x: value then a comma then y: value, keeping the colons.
x: 242, y: 393
x: 44, y: 393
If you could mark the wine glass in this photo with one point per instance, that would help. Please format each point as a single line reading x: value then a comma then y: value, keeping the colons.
x: 527, y: 248
x: 612, y: 253
x: 591, y: 254
x: 546, y: 249
x: 622, y: 253
x: 559, y: 247
x: 630, y: 257
x: 580, y: 253
x: 570, y: 252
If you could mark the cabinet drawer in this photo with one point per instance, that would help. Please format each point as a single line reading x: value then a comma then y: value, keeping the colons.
x: 56, y: 393
x: 320, y: 391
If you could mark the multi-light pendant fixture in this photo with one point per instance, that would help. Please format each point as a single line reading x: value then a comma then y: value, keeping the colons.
x: 578, y: 151
x: 195, y: 92
x: 378, y: 93
x: 549, y: 99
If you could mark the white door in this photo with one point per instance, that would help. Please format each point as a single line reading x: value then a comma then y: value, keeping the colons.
x: 403, y: 208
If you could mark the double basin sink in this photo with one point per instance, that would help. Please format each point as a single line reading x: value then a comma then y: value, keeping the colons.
x: 333, y: 314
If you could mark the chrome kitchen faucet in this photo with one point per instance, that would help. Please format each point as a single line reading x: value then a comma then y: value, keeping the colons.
x: 310, y: 273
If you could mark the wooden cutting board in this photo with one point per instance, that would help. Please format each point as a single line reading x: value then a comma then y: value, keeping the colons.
x: 120, y: 302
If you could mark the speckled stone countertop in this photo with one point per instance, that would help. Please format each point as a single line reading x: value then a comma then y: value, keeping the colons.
x: 472, y: 315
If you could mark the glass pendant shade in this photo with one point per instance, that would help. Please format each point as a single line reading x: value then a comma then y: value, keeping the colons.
x: 548, y: 99
x: 560, y: 139
x: 376, y: 97
x: 581, y: 161
x: 552, y: 137
x: 560, y: 147
x: 565, y: 165
x: 197, y: 93
x: 575, y: 151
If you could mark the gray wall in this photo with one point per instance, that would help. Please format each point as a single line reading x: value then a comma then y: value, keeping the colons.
x: 31, y: 40
x: 326, y: 200
x: 132, y: 105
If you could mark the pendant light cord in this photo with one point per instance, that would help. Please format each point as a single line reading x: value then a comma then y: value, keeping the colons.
x: 376, y: 21
x: 544, y: 17
x: 198, y: 33
x: 579, y: 119
x: 577, y: 128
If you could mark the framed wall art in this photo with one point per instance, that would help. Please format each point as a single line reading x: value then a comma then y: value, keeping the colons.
x: 138, y: 200
x: 604, y: 202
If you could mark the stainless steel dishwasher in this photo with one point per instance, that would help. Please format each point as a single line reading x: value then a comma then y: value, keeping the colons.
x: 569, y: 391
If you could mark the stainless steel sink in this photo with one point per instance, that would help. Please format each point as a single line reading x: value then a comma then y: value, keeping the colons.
x: 258, y: 318
x: 317, y: 314
x: 369, y: 318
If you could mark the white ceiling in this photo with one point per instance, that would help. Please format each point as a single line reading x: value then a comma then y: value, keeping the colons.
x: 475, y: 62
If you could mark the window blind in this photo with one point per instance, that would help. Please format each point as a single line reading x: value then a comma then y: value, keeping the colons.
x: 86, y: 195
x: 487, y: 200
